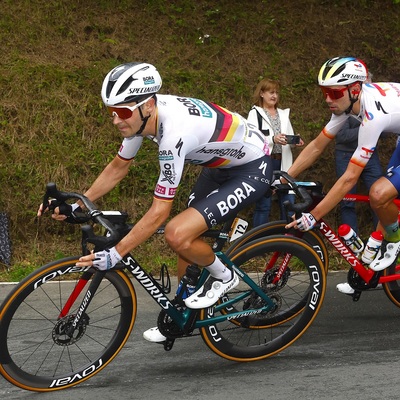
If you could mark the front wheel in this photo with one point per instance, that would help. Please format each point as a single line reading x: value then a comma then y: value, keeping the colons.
x: 248, y: 332
x: 38, y: 349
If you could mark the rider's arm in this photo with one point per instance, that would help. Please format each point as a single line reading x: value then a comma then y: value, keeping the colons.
x: 338, y: 190
x: 112, y: 174
x: 146, y: 226
x: 310, y: 154
x: 116, y: 170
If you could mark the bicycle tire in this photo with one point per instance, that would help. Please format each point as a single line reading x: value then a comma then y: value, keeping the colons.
x: 278, y: 228
x: 35, y: 353
x: 392, y: 288
x: 258, y: 336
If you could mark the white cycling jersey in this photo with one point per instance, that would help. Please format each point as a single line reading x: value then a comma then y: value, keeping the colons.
x: 379, y: 112
x: 193, y: 131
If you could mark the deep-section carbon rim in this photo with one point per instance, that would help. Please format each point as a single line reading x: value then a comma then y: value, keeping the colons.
x: 35, y: 351
x: 298, y: 299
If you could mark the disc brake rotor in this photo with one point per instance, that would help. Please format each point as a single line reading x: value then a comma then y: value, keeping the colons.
x: 61, y: 335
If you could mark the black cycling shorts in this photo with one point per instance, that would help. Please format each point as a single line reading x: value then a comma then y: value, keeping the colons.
x: 220, y: 193
x: 393, y: 169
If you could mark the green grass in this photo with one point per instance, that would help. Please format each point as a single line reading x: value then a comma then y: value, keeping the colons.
x: 55, y: 55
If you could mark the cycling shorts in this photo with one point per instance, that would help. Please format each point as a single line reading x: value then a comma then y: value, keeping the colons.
x: 220, y: 193
x: 393, y: 170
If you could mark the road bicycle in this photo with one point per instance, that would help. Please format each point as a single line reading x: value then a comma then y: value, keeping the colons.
x: 63, y: 324
x: 360, y: 277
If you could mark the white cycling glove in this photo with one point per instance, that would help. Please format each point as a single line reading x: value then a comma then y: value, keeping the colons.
x: 106, y: 259
x: 306, y: 222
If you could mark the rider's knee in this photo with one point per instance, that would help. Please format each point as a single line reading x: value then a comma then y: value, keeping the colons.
x: 379, y: 195
x: 173, y: 236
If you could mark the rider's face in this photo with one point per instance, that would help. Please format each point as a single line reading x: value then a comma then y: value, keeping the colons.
x: 128, y: 127
x: 337, y: 98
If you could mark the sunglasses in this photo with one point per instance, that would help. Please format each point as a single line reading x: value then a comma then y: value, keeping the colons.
x: 334, y: 94
x: 125, y: 112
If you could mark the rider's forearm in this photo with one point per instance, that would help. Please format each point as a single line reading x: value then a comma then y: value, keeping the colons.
x: 145, y: 227
x: 305, y: 159
x: 112, y: 174
x: 333, y: 197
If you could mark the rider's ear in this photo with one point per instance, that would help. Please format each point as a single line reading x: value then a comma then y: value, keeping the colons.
x: 355, y: 90
x: 150, y: 104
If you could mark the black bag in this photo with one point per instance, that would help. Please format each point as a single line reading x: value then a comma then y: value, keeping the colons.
x: 5, y: 242
x: 260, y: 118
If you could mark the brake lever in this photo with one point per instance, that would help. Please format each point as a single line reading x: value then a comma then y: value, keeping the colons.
x: 99, y: 242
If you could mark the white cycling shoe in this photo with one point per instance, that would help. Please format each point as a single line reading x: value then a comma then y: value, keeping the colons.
x: 210, y: 292
x: 154, y: 335
x: 387, y: 256
x: 345, y: 288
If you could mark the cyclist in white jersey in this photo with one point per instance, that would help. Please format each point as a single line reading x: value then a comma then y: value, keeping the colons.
x: 377, y: 107
x: 238, y: 172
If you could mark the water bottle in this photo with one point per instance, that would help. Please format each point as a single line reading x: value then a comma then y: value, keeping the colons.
x: 372, y: 247
x: 187, y: 285
x: 351, y: 238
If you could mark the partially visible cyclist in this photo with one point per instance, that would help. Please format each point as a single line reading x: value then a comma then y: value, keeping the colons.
x: 377, y: 107
x: 237, y: 172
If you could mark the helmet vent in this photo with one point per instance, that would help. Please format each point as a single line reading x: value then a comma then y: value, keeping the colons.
x: 109, y: 88
x: 126, y: 84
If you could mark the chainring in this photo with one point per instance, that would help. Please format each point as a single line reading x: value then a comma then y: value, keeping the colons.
x: 167, y: 326
x: 357, y: 283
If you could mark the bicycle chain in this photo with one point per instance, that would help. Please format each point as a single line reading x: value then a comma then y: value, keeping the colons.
x: 170, y: 330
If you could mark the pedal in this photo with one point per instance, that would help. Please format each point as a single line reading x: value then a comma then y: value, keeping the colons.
x: 356, y: 295
x: 168, y: 344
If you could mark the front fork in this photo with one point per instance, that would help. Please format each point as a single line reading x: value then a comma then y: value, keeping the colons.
x: 97, y: 278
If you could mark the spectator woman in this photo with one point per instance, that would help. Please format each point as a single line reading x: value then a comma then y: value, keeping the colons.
x: 275, y: 124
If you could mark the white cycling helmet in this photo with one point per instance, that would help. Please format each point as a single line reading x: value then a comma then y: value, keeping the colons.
x: 342, y: 71
x: 130, y: 82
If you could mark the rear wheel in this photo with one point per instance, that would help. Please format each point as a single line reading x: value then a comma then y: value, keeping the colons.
x: 250, y: 333
x: 278, y: 228
x: 36, y: 353
x: 392, y: 289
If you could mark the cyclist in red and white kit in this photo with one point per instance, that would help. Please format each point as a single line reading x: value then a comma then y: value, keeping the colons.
x: 377, y: 107
x: 237, y: 172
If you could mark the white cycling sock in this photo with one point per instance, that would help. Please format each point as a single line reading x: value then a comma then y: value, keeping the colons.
x: 219, y: 270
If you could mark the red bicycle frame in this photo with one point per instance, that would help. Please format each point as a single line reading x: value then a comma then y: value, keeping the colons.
x: 365, y: 273
x: 363, y: 198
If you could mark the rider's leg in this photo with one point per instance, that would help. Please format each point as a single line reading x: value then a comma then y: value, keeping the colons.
x: 218, y: 195
x: 382, y: 194
x: 183, y: 233
x: 237, y: 188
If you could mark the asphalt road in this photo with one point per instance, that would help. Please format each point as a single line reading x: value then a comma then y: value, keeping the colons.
x: 351, y: 351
